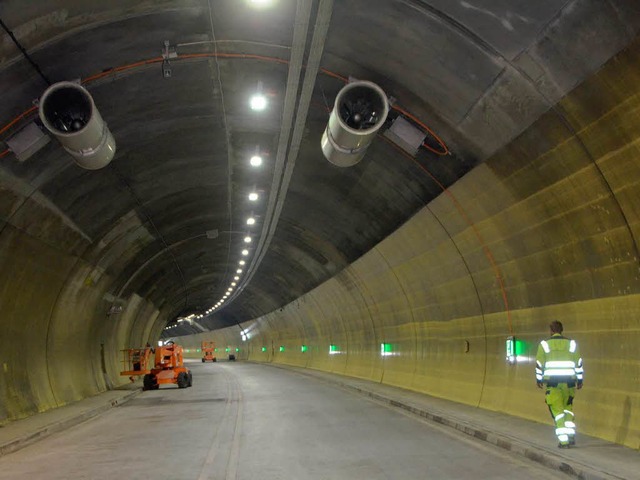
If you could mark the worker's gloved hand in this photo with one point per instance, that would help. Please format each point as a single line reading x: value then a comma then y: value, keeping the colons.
x: 541, y: 385
x: 579, y: 385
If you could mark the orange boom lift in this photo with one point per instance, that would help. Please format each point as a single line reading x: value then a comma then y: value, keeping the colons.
x: 168, y: 366
x: 208, y: 349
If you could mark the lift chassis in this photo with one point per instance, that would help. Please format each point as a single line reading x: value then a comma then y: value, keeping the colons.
x: 168, y: 366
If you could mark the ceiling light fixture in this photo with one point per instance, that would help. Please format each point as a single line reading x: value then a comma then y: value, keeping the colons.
x: 256, y: 161
x: 251, y: 221
x: 241, y: 262
x: 258, y: 102
x: 260, y: 3
x: 253, y: 196
x: 247, y: 239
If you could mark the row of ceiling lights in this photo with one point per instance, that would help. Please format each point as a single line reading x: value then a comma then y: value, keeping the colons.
x: 257, y: 103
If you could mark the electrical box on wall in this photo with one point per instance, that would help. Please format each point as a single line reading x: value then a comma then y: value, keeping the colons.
x: 27, y: 142
x: 405, y: 135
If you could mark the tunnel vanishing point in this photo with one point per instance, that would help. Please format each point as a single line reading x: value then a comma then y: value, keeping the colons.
x: 501, y: 192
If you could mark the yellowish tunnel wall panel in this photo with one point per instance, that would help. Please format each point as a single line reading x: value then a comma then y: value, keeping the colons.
x: 59, y: 344
x: 546, y: 229
x: 30, y: 287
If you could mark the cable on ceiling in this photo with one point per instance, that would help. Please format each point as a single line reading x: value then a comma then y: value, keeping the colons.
x: 17, y: 119
x: 444, y: 150
x: 24, y: 52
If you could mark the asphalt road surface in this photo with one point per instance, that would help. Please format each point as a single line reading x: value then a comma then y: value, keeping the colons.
x: 244, y: 421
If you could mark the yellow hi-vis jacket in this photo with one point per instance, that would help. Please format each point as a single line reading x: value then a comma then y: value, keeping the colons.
x: 558, y: 361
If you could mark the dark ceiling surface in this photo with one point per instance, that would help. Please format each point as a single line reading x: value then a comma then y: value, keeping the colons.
x: 166, y: 218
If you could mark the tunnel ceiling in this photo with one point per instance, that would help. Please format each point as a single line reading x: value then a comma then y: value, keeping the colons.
x: 167, y: 217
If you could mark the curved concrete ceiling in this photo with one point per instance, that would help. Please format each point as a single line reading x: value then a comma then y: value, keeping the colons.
x: 166, y: 218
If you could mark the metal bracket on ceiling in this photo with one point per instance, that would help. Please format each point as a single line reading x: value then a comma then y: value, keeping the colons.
x: 168, y: 53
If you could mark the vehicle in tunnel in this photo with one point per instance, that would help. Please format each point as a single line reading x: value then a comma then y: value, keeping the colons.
x: 169, y: 368
x: 208, y: 351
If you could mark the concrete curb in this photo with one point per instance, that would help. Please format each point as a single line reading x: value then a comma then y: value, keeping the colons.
x: 527, y: 450
x: 34, y: 436
x: 546, y: 458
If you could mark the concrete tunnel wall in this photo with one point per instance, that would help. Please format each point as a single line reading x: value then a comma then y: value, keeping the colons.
x: 58, y: 344
x: 546, y: 229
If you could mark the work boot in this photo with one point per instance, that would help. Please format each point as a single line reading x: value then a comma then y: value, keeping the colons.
x: 563, y: 445
x: 572, y: 440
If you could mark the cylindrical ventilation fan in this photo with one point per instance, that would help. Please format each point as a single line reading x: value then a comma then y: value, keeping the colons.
x: 360, y: 110
x: 68, y: 112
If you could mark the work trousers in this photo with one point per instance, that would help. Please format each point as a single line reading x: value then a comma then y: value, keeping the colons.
x: 559, y: 398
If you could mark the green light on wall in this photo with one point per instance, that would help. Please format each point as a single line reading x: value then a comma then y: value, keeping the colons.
x: 187, y: 350
x: 386, y: 349
x: 282, y: 348
x: 303, y: 348
x: 197, y: 350
x: 515, y: 350
x: 237, y: 349
x: 227, y: 349
x: 215, y: 349
x: 264, y: 349
x: 333, y: 349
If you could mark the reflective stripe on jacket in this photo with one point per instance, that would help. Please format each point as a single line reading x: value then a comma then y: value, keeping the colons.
x: 558, y: 361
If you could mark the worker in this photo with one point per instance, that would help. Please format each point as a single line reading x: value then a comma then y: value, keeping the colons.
x: 559, y: 368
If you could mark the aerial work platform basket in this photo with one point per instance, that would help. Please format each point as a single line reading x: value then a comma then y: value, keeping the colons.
x: 136, y: 361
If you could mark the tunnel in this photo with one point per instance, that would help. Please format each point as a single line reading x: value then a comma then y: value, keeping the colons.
x: 499, y: 191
